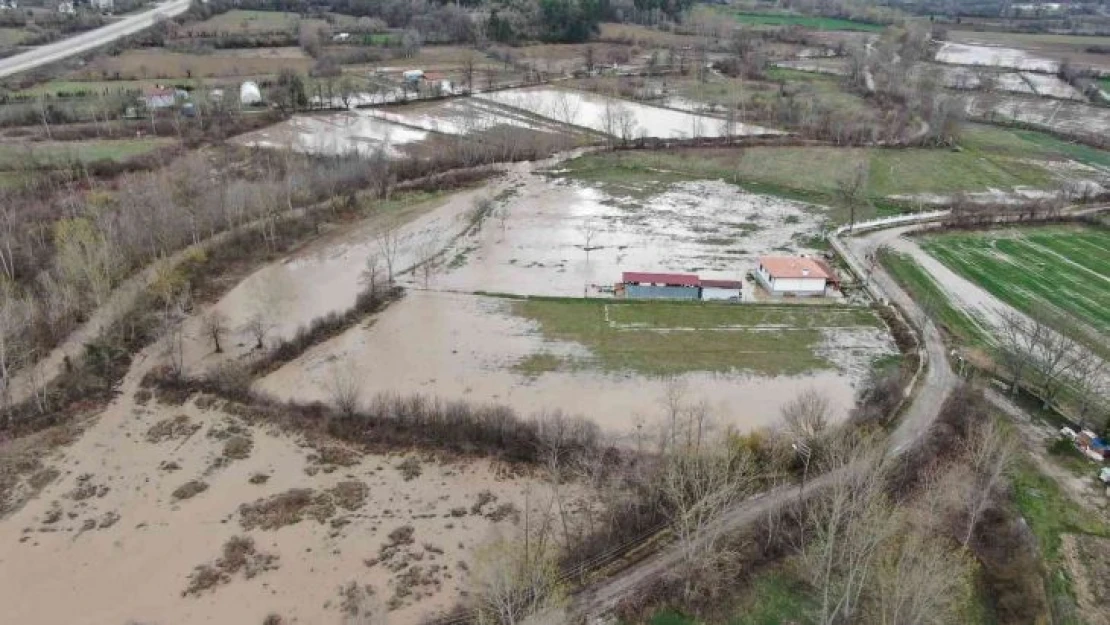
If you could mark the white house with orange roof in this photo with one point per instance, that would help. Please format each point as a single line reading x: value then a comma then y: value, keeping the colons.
x: 796, y: 276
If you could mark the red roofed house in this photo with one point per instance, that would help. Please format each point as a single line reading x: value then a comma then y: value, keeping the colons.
x: 798, y: 276
x: 159, y: 97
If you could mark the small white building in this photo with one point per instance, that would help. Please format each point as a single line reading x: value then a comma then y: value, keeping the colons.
x: 66, y: 8
x: 797, y: 276
x: 249, y: 93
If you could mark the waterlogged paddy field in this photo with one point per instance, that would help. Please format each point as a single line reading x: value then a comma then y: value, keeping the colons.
x: 991, y: 56
x: 1062, y: 267
x: 615, y: 116
x: 597, y: 358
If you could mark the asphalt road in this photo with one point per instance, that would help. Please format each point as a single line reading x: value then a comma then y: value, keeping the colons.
x: 50, y: 53
x: 932, y: 390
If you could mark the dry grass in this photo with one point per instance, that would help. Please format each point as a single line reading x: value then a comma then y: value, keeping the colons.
x: 296, y: 504
x: 158, y: 63
x: 239, y: 554
x: 238, y: 447
x: 189, y: 489
x: 172, y: 428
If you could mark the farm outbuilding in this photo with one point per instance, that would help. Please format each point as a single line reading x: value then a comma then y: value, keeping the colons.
x: 721, y: 290
x: 796, y: 276
x: 642, y: 285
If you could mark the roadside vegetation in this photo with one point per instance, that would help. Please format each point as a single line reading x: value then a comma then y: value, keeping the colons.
x: 961, y: 328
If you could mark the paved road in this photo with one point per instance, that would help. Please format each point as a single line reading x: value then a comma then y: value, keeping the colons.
x: 932, y: 390
x: 44, y: 55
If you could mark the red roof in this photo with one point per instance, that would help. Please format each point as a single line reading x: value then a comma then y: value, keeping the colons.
x: 673, y: 279
x: 793, y: 267
x: 722, y: 284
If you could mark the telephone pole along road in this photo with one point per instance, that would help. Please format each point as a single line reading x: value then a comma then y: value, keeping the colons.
x: 50, y: 53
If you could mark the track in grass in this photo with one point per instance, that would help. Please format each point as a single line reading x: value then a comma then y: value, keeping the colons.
x: 1062, y: 268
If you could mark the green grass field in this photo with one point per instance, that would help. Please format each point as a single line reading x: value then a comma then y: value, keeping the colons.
x: 1067, y: 268
x: 674, y: 337
x: 11, y: 37
x: 249, y: 21
x: 14, y: 155
x: 990, y: 158
x: 925, y: 291
x: 805, y: 21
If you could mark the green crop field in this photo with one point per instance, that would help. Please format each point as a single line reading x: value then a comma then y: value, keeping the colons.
x: 249, y: 21
x: 1067, y: 268
x: 675, y: 337
x: 13, y: 155
x: 805, y: 21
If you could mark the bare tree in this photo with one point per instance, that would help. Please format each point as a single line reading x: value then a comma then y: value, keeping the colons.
x: 851, y: 190
x: 700, y: 488
x: 515, y: 578
x: 1017, y: 339
x: 371, y: 272
x: 990, y: 451
x: 258, y: 327
x: 427, y: 257
x: 389, y: 242
x: 344, y: 389
x: 215, y: 327
x: 588, y: 230
x: 807, y: 415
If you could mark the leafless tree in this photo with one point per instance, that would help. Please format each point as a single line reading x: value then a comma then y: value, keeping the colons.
x: 258, y: 327
x: 389, y: 242
x: 851, y: 190
x: 807, y: 415
x: 427, y: 256
x: 1017, y: 339
x: 344, y: 389
x: 1091, y: 380
x: 1056, y: 356
x: 588, y: 230
x: 990, y: 452
x: 700, y: 488
x: 515, y: 578
x: 371, y: 272
x: 215, y: 327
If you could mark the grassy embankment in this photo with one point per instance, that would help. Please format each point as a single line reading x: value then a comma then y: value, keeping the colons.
x: 674, y: 337
x: 989, y: 158
x: 1067, y: 268
x: 14, y: 155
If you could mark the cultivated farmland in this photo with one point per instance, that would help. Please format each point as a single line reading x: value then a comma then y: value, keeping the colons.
x: 1065, y: 268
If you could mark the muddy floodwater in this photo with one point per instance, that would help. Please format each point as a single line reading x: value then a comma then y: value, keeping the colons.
x: 458, y: 346
x: 615, y: 116
x: 535, y: 243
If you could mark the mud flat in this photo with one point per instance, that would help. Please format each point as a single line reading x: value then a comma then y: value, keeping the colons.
x: 458, y: 346
x: 615, y: 116
x: 1059, y: 115
x: 535, y: 243
x: 149, y: 493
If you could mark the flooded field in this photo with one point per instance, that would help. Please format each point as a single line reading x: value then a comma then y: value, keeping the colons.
x: 149, y: 493
x: 536, y: 242
x: 1059, y: 115
x: 463, y: 116
x: 968, y: 54
x: 356, y: 131
x: 616, y: 117
x: 459, y: 346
